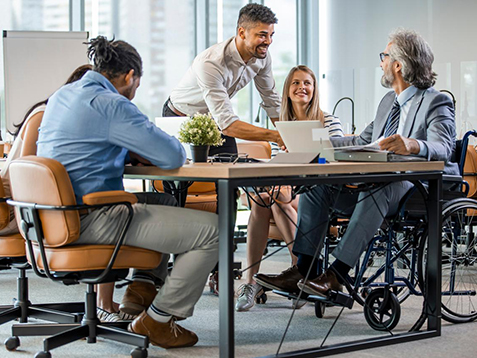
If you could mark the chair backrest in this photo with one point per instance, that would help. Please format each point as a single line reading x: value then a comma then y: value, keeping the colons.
x: 4, y: 210
x: 30, y: 135
x: 255, y: 149
x: 45, y: 181
x: 197, y: 188
x: 470, y: 170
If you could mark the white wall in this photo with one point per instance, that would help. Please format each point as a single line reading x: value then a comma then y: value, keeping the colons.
x: 357, y: 31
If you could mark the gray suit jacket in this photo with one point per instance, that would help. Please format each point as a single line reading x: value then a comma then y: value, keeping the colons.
x: 430, y: 120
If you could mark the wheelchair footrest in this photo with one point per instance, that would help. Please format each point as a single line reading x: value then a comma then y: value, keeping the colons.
x: 341, y: 299
x: 334, y: 298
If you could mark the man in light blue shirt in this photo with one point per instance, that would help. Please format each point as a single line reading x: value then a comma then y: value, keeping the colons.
x: 101, y: 126
x: 414, y: 119
x: 92, y: 128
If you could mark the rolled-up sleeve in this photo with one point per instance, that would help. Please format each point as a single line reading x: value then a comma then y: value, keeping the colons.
x: 265, y: 84
x: 211, y: 82
x: 132, y: 130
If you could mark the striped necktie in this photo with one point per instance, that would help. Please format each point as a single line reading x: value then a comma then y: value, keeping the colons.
x: 393, y: 120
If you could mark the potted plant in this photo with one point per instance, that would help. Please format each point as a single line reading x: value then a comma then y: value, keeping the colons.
x: 200, y: 131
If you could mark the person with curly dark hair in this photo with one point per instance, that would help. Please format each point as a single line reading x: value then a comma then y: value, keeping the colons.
x: 219, y: 72
x: 92, y: 128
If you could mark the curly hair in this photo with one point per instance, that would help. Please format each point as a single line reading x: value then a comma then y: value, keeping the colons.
x: 250, y: 14
x: 415, y: 56
x: 114, y: 58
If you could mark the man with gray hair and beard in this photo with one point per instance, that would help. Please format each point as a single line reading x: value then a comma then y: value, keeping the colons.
x: 414, y: 118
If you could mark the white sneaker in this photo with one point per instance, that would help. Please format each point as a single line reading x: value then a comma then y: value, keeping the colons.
x: 123, y: 316
x: 247, y: 295
x: 105, y: 316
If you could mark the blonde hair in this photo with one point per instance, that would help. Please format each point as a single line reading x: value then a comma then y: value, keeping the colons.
x: 313, y: 111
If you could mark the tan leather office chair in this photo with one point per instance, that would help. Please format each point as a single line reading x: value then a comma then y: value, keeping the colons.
x: 13, y: 255
x: 259, y: 150
x: 200, y: 195
x: 30, y: 135
x: 49, y: 220
x: 470, y: 170
x: 203, y: 195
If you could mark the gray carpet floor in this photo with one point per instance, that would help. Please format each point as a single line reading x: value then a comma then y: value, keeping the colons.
x: 258, y: 332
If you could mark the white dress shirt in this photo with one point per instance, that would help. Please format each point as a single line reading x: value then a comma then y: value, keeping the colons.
x: 216, y: 75
x: 404, y: 100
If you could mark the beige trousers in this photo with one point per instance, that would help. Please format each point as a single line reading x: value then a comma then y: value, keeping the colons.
x: 192, y: 235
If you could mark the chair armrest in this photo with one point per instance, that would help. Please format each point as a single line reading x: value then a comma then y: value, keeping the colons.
x: 451, y: 178
x: 109, y: 197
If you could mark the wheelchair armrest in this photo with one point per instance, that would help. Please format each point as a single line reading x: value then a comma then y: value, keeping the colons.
x: 455, y: 182
x: 451, y: 178
x: 109, y: 197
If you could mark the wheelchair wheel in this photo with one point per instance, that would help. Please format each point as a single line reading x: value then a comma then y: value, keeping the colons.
x: 382, y: 310
x: 459, y: 261
x: 404, y: 256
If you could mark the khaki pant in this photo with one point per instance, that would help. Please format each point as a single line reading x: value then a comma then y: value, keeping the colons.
x: 190, y: 234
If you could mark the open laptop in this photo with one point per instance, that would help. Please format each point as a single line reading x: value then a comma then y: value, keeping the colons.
x: 172, y: 125
x: 306, y: 137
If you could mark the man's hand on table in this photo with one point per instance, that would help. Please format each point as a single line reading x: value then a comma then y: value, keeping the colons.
x: 400, y: 145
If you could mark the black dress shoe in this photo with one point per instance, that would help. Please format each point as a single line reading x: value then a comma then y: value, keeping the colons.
x: 322, y: 284
x: 286, y: 281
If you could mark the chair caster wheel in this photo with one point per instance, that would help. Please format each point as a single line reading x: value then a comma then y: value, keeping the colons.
x: 139, y: 353
x: 43, y: 354
x: 261, y: 298
x: 320, y: 309
x: 12, y: 343
x: 237, y: 274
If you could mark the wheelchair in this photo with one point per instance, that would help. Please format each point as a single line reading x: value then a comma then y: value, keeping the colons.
x: 394, y: 265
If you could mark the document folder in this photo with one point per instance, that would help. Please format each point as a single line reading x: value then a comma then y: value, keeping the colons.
x: 375, y: 156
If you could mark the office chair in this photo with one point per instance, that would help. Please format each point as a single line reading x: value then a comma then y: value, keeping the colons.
x: 469, y: 171
x: 259, y: 150
x: 49, y: 220
x: 200, y: 195
x: 12, y: 255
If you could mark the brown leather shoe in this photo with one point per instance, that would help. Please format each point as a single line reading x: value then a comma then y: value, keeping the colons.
x: 165, y: 335
x: 286, y: 281
x: 322, y: 284
x: 138, y: 297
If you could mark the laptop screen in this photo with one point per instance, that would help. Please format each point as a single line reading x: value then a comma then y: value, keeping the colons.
x: 172, y: 125
x: 304, y: 136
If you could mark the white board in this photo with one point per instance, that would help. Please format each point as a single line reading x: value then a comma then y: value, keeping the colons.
x: 36, y: 64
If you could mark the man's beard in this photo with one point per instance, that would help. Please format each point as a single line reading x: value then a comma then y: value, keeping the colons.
x: 387, y: 79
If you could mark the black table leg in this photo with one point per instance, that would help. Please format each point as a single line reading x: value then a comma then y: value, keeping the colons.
x: 226, y: 284
x: 434, y: 270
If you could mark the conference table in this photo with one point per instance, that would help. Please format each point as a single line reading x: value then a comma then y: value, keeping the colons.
x: 230, y: 176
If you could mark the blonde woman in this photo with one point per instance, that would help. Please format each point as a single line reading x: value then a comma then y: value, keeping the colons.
x: 300, y: 102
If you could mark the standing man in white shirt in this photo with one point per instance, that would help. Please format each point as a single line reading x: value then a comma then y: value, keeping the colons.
x: 220, y: 71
